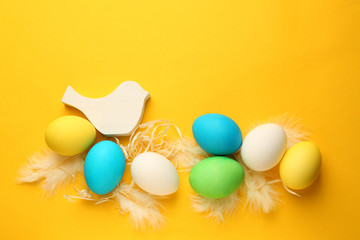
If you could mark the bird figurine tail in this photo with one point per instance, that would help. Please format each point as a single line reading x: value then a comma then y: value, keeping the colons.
x: 74, y: 99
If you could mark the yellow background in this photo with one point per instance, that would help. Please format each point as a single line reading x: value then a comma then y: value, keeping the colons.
x: 246, y: 59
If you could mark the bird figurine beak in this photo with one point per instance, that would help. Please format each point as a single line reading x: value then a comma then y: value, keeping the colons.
x: 117, y: 114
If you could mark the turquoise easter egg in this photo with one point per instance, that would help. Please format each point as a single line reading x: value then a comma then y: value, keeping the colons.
x: 217, y: 134
x: 104, y: 167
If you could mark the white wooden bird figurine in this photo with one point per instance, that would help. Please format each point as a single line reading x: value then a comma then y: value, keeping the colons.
x: 116, y: 114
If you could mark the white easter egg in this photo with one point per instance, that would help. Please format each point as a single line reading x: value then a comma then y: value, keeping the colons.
x: 263, y: 147
x: 155, y: 174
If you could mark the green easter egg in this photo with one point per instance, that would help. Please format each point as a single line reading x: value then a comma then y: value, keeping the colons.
x: 216, y: 177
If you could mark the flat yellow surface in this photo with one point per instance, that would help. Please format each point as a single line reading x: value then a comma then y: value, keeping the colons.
x: 246, y: 59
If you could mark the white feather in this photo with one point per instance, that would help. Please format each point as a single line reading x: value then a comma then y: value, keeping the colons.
x: 189, y: 154
x: 294, y: 128
x: 292, y: 124
x: 51, y: 169
x: 215, y: 209
x: 259, y: 190
x: 143, y: 208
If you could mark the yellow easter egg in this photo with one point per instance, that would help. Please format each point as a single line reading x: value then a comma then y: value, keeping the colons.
x: 70, y: 135
x: 301, y: 165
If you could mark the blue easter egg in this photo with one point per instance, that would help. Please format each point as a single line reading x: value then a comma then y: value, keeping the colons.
x: 217, y: 134
x: 104, y: 167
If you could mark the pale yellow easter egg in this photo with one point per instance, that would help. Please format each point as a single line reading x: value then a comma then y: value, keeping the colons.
x: 301, y: 165
x: 70, y: 135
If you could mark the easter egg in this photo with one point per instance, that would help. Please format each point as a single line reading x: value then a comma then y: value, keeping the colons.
x: 216, y: 177
x: 263, y: 147
x: 300, y: 166
x: 217, y: 134
x: 154, y: 174
x: 70, y: 135
x: 104, y: 167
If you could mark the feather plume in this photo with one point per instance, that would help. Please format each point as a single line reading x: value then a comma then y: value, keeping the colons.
x: 51, y: 169
x: 143, y: 208
x: 215, y: 209
x: 293, y: 126
x: 190, y: 154
x: 259, y: 191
